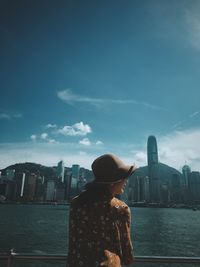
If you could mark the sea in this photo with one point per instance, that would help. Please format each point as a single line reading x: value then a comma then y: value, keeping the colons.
x: 44, y: 229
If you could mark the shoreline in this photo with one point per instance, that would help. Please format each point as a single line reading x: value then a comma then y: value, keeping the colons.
x: 134, y: 205
x: 167, y: 206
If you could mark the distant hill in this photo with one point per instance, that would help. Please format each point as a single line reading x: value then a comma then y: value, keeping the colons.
x: 31, y: 168
x: 165, y: 172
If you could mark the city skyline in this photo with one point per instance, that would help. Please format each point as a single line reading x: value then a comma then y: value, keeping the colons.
x: 84, y: 79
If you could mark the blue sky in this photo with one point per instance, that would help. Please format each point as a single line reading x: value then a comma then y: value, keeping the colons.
x: 83, y: 78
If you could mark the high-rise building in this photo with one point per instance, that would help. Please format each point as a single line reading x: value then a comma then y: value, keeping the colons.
x: 175, y: 188
x: 185, y: 178
x: 144, y: 189
x: 19, y: 186
x: 10, y: 174
x: 75, y: 171
x: 61, y: 171
x: 186, y: 172
x: 39, y: 190
x: 50, y: 190
x: 153, y: 170
x: 29, y: 187
x: 75, y: 175
x: 60, y: 192
x: 194, y: 186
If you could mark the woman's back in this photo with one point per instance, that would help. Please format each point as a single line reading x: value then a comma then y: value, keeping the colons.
x: 99, y: 223
x: 98, y: 226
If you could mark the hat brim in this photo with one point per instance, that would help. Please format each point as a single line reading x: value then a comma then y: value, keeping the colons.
x: 128, y: 171
x: 125, y: 173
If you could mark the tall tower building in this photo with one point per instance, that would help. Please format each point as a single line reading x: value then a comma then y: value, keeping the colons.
x: 75, y: 171
x: 153, y: 169
x: 61, y: 170
x: 152, y: 151
x: 186, y: 173
x: 75, y: 175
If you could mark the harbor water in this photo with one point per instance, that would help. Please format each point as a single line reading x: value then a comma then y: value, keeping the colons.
x: 43, y: 229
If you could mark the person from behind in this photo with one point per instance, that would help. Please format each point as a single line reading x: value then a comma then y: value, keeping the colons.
x: 99, y: 223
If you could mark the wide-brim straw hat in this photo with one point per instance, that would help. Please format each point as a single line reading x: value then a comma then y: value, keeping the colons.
x: 109, y: 168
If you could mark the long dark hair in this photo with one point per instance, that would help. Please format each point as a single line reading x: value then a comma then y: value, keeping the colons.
x: 95, y: 192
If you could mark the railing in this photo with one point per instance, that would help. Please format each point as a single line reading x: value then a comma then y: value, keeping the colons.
x: 12, y: 257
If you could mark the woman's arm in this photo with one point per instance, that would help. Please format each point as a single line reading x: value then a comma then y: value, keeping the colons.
x: 125, y: 236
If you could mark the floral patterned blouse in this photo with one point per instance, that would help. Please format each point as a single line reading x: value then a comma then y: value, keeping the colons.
x: 99, y: 233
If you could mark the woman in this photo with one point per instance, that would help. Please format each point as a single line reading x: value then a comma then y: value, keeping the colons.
x: 99, y: 223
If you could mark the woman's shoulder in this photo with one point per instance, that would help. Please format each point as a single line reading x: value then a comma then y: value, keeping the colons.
x: 119, y: 205
x: 121, y: 210
x: 115, y: 201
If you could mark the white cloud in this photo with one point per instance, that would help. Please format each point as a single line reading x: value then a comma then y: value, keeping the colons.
x: 141, y: 158
x: 99, y: 142
x: 78, y: 129
x: 18, y: 115
x: 194, y: 114
x: 10, y: 116
x: 44, y: 136
x: 173, y: 149
x: 44, y: 153
x: 68, y: 97
x: 33, y: 137
x: 185, y: 120
x: 50, y: 126
x: 85, y: 142
x: 51, y: 140
x: 180, y: 147
x: 192, y: 24
x: 5, y: 116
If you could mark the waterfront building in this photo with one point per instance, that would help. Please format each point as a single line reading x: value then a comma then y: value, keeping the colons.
x: 160, y: 178
x: 136, y: 189
x: 19, y: 186
x: 153, y: 170
x: 6, y: 188
x: 59, y: 192
x: 186, y: 172
x: 82, y: 174
x: 144, y: 189
x: 74, y: 183
x: 3, y: 188
x: 29, y: 187
x: 175, y: 189
x: 39, y: 190
x: 75, y: 176
x: 68, y: 177
x: 194, y: 186
x: 10, y: 174
x: 82, y: 180
x: 75, y: 171
x: 165, y: 192
x: 61, y: 171
x: 50, y: 190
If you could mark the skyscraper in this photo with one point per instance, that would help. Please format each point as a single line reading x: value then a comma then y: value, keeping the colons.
x: 153, y: 169
x: 75, y: 171
x: 152, y: 151
x: 61, y: 170
x: 186, y: 173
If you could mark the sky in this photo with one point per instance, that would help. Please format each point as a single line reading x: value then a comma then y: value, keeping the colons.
x: 82, y: 78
